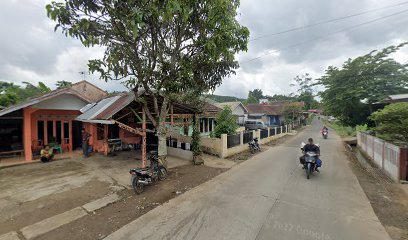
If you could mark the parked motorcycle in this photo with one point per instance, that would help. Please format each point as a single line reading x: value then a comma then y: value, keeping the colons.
x: 325, y: 134
x: 254, y: 146
x: 148, y: 175
x: 310, y: 162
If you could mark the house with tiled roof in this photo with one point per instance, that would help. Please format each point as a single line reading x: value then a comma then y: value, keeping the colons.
x: 49, y: 119
x: 238, y: 109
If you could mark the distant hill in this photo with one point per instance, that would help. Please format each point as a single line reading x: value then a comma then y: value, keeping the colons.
x: 219, y: 98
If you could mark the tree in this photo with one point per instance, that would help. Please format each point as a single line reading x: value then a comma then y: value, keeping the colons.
x: 305, y: 91
x: 257, y: 94
x: 279, y: 97
x: 168, y: 48
x: 12, y: 94
x: 63, y: 84
x: 251, y: 99
x: 291, y: 112
x: 392, y: 122
x: 226, y: 123
x: 351, y: 91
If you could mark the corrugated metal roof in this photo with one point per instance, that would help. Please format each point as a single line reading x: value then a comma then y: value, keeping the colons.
x: 398, y: 96
x: 44, y: 97
x: 106, y: 108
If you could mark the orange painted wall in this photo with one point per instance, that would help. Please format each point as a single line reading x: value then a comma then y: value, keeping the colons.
x: 32, y: 115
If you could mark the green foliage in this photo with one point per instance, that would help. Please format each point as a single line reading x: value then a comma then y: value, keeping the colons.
x: 392, y: 122
x: 195, y: 141
x: 166, y: 47
x: 221, y: 99
x: 291, y: 112
x: 305, y: 91
x: 279, y: 97
x: 256, y: 93
x: 251, y: 99
x: 362, y: 128
x: 63, y: 84
x: 343, y: 131
x: 351, y: 91
x: 226, y: 123
x: 12, y: 94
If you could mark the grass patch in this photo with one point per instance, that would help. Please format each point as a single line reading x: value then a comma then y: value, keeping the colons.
x: 343, y: 131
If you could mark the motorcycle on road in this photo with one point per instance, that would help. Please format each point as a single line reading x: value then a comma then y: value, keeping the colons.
x: 145, y: 176
x: 311, y: 161
x: 325, y: 134
x: 254, y: 146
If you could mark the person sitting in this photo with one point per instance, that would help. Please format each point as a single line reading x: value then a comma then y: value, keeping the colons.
x: 311, y: 147
x: 46, y: 154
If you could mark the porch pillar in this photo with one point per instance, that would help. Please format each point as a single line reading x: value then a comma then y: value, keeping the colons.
x: 71, y: 146
x: 105, y: 139
x: 45, y: 132
x: 143, y: 138
x: 27, y: 136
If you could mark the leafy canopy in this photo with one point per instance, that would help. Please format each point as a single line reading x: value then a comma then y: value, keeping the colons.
x: 291, y: 112
x: 226, y: 122
x: 351, y: 91
x: 392, y: 122
x: 12, y: 94
x: 169, y: 46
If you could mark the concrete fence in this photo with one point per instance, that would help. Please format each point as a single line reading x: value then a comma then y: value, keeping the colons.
x: 392, y: 159
x: 229, y: 145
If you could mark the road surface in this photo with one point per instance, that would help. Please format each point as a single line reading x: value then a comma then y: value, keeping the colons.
x: 269, y: 197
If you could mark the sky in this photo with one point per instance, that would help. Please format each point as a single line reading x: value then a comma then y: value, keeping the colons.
x: 30, y: 50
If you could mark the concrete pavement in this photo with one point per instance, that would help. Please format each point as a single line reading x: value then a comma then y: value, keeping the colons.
x: 269, y: 197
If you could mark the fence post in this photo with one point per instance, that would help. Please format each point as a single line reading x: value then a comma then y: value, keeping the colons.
x: 241, y: 138
x: 286, y: 126
x: 383, y: 155
x: 223, y: 145
x: 281, y: 129
x: 269, y: 132
x: 276, y: 130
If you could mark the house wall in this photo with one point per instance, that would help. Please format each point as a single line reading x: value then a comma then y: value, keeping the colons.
x: 239, y: 111
x: 30, y: 130
x: 62, y: 102
x: 99, y: 146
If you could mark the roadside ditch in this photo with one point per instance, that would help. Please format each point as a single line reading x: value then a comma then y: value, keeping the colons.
x: 388, y: 199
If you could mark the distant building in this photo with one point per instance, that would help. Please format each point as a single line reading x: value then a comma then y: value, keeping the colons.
x: 396, y: 98
x: 238, y: 109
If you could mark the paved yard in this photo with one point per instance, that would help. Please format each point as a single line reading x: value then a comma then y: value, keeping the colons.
x: 33, y: 192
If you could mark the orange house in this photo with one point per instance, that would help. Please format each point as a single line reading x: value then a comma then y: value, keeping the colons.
x: 27, y: 127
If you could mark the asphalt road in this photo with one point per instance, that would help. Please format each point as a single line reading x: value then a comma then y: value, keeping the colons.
x: 269, y: 197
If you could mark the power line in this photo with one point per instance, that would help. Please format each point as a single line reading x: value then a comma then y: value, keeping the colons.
x: 327, y: 21
x: 329, y: 34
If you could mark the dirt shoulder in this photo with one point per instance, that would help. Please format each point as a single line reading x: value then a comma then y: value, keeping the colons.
x: 388, y: 199
x: 111, y: 218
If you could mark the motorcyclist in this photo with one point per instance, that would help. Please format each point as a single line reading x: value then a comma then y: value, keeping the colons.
x: 311, y: 147
x: 325, y: 129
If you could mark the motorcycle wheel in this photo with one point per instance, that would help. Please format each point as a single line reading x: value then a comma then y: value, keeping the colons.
x: 162, y: 173
x: 308, y: 170
x: 252, y: 150
x: 137, y: 187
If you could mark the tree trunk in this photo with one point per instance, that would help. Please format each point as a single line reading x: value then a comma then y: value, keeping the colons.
x: 162, y: 146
